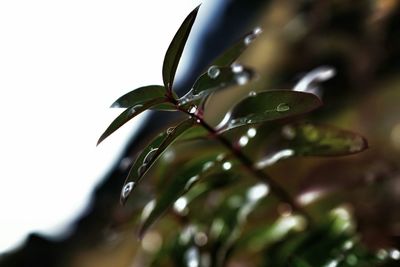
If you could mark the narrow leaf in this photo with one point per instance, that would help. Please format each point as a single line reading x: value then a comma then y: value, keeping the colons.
x: 127, y: 115
x: 142, y: 95
x: 150, y: 154
x: 231, y: 54
x: 270, y: 106
x: 175, y: 49
x: 222, y: 77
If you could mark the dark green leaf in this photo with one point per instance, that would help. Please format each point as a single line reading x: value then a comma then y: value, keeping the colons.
x: 222, y: 77
x: 231, y: 54
x: 127, y: 115
x: 272, y: 105
x: 175, y: 49
x: 142, y: 95
x: 150, y: 154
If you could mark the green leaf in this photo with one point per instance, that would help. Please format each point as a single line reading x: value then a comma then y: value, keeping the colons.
x: 150, y: 154
x: 142, y: 95
x: 222, y: 77
x: 270, y: 106
x: 127, y: 115
x: 175, y: 49
x: 309, y: 139
x: 231, y: 54
x: 185, y: 178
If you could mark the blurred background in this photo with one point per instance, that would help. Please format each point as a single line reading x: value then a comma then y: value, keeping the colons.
x: 65, y: 63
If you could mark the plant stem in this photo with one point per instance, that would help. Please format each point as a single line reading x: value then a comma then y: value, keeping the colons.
x: 249, y: 165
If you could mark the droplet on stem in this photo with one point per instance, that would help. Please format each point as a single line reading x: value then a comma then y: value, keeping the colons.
x: 213, y: 72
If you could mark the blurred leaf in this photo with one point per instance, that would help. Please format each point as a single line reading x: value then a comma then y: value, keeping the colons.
x: 309, y: 139
x: 272, y: 105
x: 175, y: 49
x: 142, y: 95
x: 129, y: 114
x: 231, y: 54
x: 185, y: 178
x: 150, y: 154
x: 222, y: 77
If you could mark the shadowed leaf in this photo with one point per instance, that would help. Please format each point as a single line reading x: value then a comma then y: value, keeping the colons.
x: 175, y: 49
x: 186, y: 177
x: 150, y: 154
x: 222, y: 77
x: 129, y: 114
x: 270, y: 106
x: 142, y: 95
x: 231, y: 54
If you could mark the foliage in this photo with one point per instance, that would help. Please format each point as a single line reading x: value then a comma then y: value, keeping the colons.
x: 213, y: 179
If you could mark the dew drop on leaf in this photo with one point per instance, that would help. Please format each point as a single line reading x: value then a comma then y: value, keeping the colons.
x: 227, y: 166
x: 213, y: 72
x: 141, y: 170
x: 251, y: 132
x: 192, y: 109
x: 147, y: 159
x: 243, y: 141
x: 237, y: 68
x: 282, y: 107
x: 170, y: 130
x: 250, y: 38
x: 126, y: 190
x: 252, y: 93
x: 242, y: 78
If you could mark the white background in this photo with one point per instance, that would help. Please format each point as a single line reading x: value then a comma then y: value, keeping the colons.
x: 62, y: 63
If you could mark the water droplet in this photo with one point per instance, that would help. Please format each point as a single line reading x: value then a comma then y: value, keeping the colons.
x: 226, y: 165
x: 237, y: 68
x: 192, y: 109
x: 148, y: 209
x: 220, y: 157
x: 242, y: 78
x: 394, y: 254
x: 208, y: 165
x: 243, y: 141
x: 356, y: 144
x: 257, y: 192
x: 191, y: 181
x: 200, y: 239
x: 213, y: 72
x: 251, y: 132
x: 252, y: 93
x: 282, y: 107
x: 149, y: 157
x: 250, y: 38
x: 192, y: 257
x: 288, y: 132
x: 170, y: 130
x: 126, y: 190
x: 180, y: 205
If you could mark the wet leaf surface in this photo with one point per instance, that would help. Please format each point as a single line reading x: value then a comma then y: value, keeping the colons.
x: 150, y: 154
x: 270, y: 106
x: 175, y: 49
x: 129, y: 114
x: 217, y: 78
x: 142, y: 95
